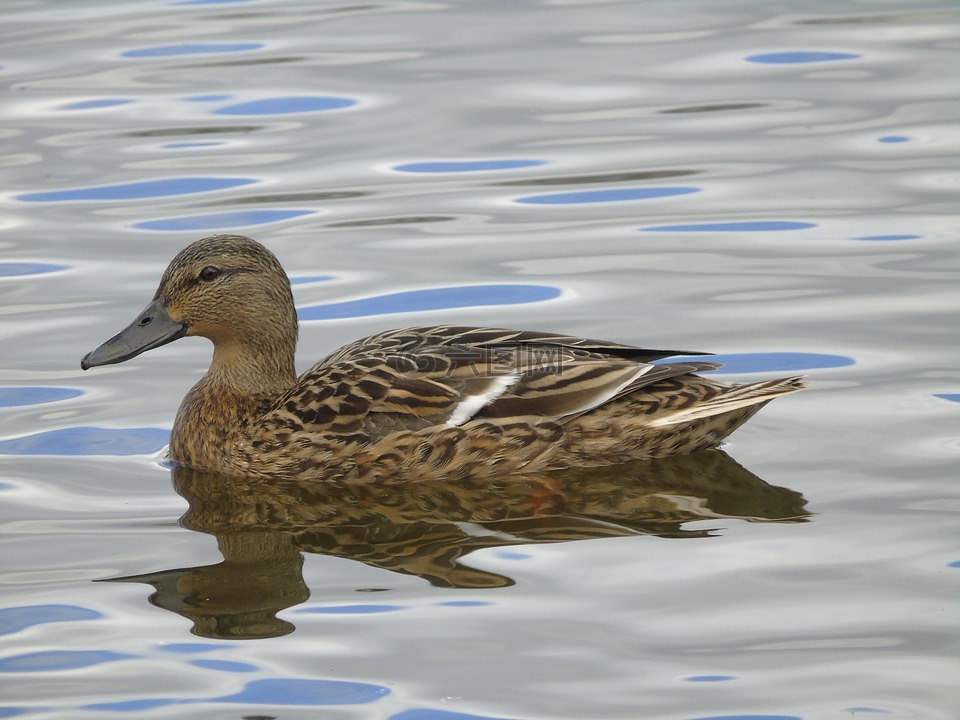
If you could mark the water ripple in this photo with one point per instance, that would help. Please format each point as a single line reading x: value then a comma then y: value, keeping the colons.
x: 431, y: 299
x: 886, y: 238
x: 88, y: 441
x: 351, y: 609
x: 464, y: 166
x: 283, y: 691
x: 211, y: 2
x: 193, y: 647
x: 208, y: 98
x: 750, y: 226
x: 800, y: 56
x: 217, y: 221
x: 18, y: 396
x: 188, y: 145
x: 224, y: 665
x: 17, y: 269
x: 50, y: 660
x: 611, y: 195
x: 287, y: 105
x: 96, y: 104
x: 463, y: 603
x: 191, y: 49
x: 430, y: 714
x: 270, y: 691
x: 15, y: 619
x: 774, y: 362
x: 139, y: 190
x: 749, y: 717
x: 307, y: 279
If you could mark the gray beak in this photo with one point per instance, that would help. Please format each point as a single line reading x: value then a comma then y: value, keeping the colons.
x: 152, y: 328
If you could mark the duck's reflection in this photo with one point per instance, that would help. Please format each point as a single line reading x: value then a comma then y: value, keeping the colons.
x: 424, y: 529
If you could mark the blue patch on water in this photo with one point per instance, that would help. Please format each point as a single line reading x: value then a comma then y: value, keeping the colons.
x: 15, y: 619
x: 18, y: 396
x: 854, y: 710
x: 893, y: 139
x: 305, y: 279
x: 185, y: 145
x: 190, y: 648
x: 753, y: 226
x: 581, y: 197
x: 16, y: 269
x: 283, y: 691
x: 6, y: 712
x: 58, y: 660
x: 287, y: 105
x: 88, y: 441
x: 460, y: 166
x: 139, y: 190
x: 132, y: 705
x: 769, y: 362
x: 279, y: 691
x: 431, y: 299
x: 428, y: 714
x: 952, y: 397
x: 191, y: 49
x: 210, y: 2
x: 93, y: 104
x: 709, y: 678
x: 885, y: 238
x: 208, y: 98
x: 955, y: 563
x: 749, y: 717
x: 351, y: 609
x: 463, y: 603
x: 224, y: 665
x: 513, y: 555
x: 800, y: 56
x: 215, y: 221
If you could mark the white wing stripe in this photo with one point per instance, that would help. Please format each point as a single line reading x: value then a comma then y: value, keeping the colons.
x: 470, y: 404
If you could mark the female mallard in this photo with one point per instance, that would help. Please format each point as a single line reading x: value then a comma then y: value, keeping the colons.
x: 418, y: 403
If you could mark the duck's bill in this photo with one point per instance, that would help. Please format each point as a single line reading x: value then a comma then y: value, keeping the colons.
x: 152, y: 328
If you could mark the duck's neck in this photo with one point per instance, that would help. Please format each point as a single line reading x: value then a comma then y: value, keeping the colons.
x: 213, y: 418
x: 253, y: 371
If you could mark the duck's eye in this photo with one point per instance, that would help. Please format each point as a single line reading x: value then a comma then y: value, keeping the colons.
x: 210, y: 272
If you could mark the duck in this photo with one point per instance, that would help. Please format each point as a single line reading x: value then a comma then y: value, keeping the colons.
x: 414, y: 404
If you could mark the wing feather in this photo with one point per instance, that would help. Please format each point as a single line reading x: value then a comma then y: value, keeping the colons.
x: 448, y: 375
x: 416, y: 338
x: 731, y: 398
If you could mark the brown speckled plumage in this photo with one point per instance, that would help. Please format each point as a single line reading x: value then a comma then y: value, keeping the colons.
x: 419, y: 403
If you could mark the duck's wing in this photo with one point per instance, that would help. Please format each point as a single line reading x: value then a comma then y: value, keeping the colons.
x: 415, y: 338
x: 410, y: 380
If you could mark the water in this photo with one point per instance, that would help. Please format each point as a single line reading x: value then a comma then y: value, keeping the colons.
x: 775, y: 184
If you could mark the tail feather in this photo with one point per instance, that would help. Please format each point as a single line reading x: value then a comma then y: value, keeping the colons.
x: 734, y: 398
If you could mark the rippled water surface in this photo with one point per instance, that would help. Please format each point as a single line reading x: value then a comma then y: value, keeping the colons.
x: 775, y: 183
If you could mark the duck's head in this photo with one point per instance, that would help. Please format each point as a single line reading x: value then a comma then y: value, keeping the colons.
x: 227, y: 288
